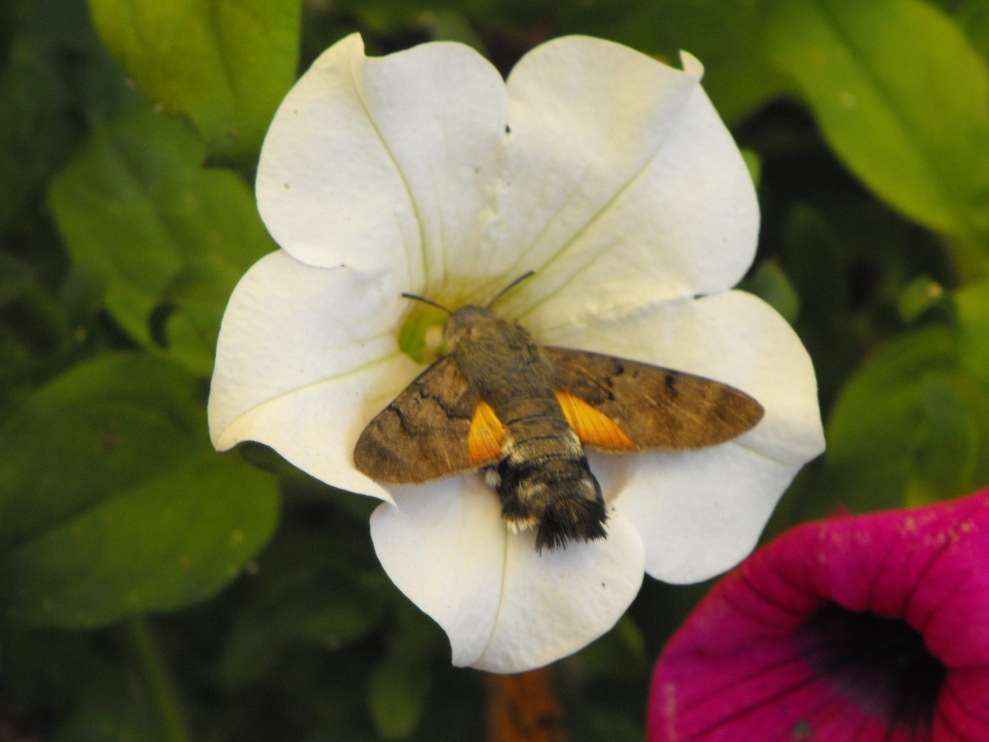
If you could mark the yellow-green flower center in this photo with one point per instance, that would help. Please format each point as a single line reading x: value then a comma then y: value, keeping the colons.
x: 421, y: 334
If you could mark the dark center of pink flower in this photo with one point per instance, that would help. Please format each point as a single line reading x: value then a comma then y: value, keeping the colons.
x: 879, y: 663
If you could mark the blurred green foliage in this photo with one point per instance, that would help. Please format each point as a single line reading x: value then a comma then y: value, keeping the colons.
x: 151, y: 589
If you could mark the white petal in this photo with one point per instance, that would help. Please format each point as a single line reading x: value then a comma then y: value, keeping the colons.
x: 383, y: 162
x: 305, y: 357
x: 443, y: 545
x: 505, y: 607
x: 622, y: 186
x: 557, y: 602
x: 701, y: 512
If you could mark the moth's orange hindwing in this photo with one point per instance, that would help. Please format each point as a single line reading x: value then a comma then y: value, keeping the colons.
x: 487, y: 434
x: 594, y: 428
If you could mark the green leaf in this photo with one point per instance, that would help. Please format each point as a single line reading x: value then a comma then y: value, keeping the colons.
x: 55, y: 76
x: 599, y: 722
x: 400, y: 683
x: 226, y: 64
x: 972, y: 316
x: 770, y: 284
x: 620, y: 654
x: 725, y: 36
x: 397, y: 695
x: 974, y: 18
x: 452, y: 25
x: 911, y: 427
x: 918, y: 296
x: 320, y: 586
x: 102, y: 427
x: 113, y: 503
x: 819, y: 266
x: 901, y: 97
x: 169, y: 238
x: 754, y: 165
x: 16, y: 278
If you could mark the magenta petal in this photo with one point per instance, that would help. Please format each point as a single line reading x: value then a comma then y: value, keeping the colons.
x: 963, y: 709
x: 926, y: 566
x: 742, y: 666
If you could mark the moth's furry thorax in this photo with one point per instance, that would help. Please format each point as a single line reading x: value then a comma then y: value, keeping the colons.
x: 498, y: 357
x: 542, y: 476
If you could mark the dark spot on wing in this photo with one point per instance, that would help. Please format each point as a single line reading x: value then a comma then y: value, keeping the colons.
x: 671, y: 382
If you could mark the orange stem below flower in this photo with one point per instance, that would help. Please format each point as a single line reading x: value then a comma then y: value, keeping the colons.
x: 523, y: 708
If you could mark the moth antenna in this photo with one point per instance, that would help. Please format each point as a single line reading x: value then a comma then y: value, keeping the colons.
x: 424, y: 300
x: 510, y: 286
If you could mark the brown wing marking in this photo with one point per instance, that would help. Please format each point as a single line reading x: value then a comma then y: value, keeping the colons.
x: 655, y: 407
x: 592, y: 427
x: 423, y: 433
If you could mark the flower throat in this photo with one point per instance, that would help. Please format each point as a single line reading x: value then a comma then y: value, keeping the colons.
x: 880, y: 663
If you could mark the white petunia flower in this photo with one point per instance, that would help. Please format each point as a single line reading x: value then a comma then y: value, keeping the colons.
x: 611, y: 176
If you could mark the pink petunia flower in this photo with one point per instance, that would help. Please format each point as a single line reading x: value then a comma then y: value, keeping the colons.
x: 858, y: 628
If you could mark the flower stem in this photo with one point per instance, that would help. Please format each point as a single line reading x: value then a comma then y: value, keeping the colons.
x: 523, y: 708
x: 162, y: 691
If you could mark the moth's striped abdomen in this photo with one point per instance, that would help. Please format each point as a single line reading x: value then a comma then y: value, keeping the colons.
x: 542, y: 476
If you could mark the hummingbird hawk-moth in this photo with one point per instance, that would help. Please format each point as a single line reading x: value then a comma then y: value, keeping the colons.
x: 501, y: 402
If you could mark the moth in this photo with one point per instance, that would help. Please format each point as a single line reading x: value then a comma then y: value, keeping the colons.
x: 525, y: 413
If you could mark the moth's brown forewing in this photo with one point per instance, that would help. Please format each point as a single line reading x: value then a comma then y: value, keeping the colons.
x: 423, y: 434
x: 655, y: 407
x: 502, y: 402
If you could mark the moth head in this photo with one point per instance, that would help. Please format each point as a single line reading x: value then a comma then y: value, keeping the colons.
x: 464, y: 322
x: 470, y: 318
